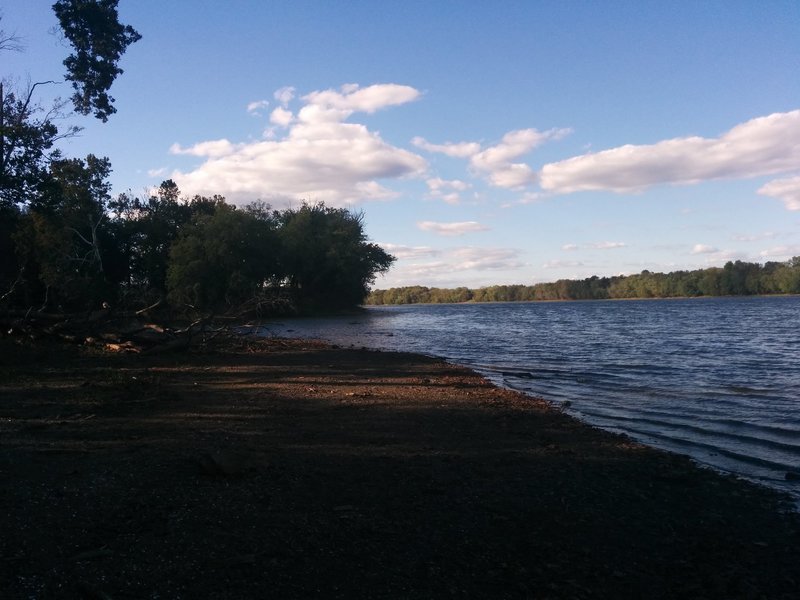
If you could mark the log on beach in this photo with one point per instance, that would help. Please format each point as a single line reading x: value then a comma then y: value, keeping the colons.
x: 292, y: 469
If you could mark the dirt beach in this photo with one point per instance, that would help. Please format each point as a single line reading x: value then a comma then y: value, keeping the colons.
x: 291, y: 469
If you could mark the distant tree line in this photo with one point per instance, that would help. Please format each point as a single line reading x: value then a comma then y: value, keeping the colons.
x: 66, y: 245
x: 734, y: 279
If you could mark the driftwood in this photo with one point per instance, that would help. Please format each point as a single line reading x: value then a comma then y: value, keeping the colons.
x: 135, y: 330
x: 107, y: 330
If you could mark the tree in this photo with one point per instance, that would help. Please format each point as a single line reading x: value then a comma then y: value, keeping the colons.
x: 53, y: 209
x: 27, y: 136
x: 99, y: 40
x: 329, y: 263
x: 64, y: 240
x: 145, y: 230
x: 222, y: 260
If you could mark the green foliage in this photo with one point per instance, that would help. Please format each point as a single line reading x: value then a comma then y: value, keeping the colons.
x: 221, y: 259
x: 734, y: 279
x: 61, y: 239
x: 146, y: 228
x: 326, y: 258
x: 99, y: 40
x: 27, y: 136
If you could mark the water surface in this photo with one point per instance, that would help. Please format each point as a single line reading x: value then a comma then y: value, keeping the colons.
x: 715, y: 378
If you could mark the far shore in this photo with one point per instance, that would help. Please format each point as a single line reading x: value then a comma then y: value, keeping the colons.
x: 286, y: 468
x: 552, y: 300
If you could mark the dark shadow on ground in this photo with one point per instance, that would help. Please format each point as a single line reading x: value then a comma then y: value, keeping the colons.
x: 299, y: 471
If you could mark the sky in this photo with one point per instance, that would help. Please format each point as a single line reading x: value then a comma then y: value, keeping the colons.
x: 485, y: 142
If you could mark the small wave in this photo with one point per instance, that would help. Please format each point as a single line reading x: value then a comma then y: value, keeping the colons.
x: 701, y: 428
x: 777, y: 461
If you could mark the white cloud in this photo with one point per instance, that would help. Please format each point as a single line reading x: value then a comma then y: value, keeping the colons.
x: 570, y: 247
x: 496, y: 162
x: 761, y: 146
x: 281, y: 117
x: 437, y: 184
x: 332, y: 106
x: 157, y: 172
x: 786, y: 190
x: 715, y: 257
x: 451, y: 229
x: 255, y: 108
x: 447, y: 190
x: 781, y: 252
x: 704, y: 249
x: 486, y: 259
x: 454, y: 150
x: 413, y: 269
x: 402, y: 252
x: 320, y: 158
x: 284, y: 95
x: 212, y: 148
x: 608, y: 245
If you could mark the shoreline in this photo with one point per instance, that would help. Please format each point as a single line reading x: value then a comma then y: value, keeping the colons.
x: 300, y: 469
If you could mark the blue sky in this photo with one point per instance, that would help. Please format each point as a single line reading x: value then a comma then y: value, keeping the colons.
x: 507, y: 142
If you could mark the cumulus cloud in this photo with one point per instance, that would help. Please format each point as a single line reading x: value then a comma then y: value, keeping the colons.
x: 333, y: 106
x: 255, y: 108
x: 157, y: 172
x: 281, y: 117
x: 497, y: 163
x: 451, y: 229
x: 284, y: 95
x: 320, y: 158
x: 761, y: 146
x: 454, y: 150
x: 786, y: 190
x: 447, y: 190
x: 212, y: 148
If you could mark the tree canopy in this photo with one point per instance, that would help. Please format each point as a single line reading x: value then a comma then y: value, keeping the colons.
x: 98, y: 40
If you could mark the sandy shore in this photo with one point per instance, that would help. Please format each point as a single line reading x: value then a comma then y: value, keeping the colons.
x: 289, y: 469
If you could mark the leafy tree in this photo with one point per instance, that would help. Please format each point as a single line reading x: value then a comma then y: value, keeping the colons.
x: 65, y: 239
x: 145, y: 230
x: 27, y: 136
x: 222, y: 259
x: 53, y: 210
x: 69, y: 223
x: 99, y: 40
x: 326, y: 256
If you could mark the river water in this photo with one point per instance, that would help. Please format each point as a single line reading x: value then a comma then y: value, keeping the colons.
x: 717, y: 379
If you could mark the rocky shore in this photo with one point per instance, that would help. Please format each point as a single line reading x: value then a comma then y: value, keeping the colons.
x: 292, y: 469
